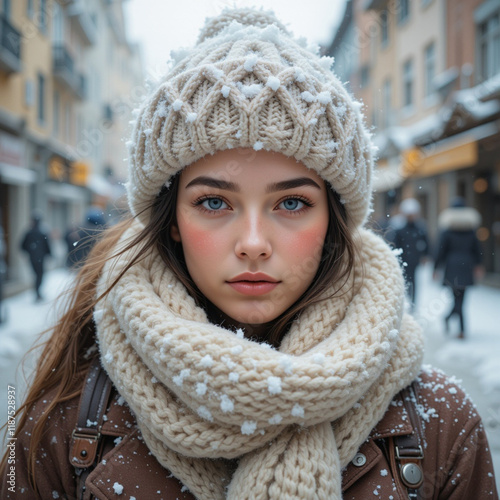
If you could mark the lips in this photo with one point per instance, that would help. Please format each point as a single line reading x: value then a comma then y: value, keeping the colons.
x: 253, y: 283
x: 253, y: 277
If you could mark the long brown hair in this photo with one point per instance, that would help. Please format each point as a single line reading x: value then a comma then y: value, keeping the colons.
x: 66, y: 356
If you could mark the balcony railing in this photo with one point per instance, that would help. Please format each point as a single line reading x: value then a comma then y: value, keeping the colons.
x: 375, y: 4
x: 65, y: 73
x: 83, y: 21
x: 10, y: 47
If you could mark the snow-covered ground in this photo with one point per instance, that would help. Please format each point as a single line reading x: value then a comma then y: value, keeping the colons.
x: 474, y: 360
x: 26, y: 321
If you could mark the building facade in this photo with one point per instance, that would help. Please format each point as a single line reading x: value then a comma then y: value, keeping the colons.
x: 60, y: 63
x: 428, y: 72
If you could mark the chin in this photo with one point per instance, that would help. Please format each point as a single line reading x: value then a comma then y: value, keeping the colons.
x: 256, y: 315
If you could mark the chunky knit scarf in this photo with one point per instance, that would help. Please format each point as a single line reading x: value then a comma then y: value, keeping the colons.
x: 293, y: 417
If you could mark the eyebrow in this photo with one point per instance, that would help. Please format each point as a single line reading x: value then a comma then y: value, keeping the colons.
x: 271, y: 188
x: 215, y: 183
x: 291, y: 184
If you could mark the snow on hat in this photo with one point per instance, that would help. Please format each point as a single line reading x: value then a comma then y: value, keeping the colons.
x: 248, y: 83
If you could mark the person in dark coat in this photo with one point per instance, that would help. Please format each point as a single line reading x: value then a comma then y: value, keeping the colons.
x: 80, y: 240
x: 459, y: 253
x: 413, y: 241
x: 37, y: 245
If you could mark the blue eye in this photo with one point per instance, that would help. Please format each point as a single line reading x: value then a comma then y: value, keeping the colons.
x: 214, y: 204
x: 292, y: 204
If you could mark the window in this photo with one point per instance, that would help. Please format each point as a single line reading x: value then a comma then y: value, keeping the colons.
x: 408, y: 83
x: 386, y: 104
x: 58, y: 25
x: 489, y: 47
x: 403, y: 11
x: 384, y: 28
x: 67, y: 123
x: 429, y: 69
x: 43, y: 16
x: 79, y: 127
x: 365, y: 76
x: 30, y: 9
x: 41, y: 99
x: 6, y: 8
x: 29, y: 97
x: 57, y: 113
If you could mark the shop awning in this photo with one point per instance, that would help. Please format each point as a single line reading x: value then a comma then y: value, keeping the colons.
x: 17, y: 175
x: 453, y: 153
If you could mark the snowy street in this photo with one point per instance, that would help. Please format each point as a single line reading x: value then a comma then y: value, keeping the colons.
x: 474, y: 361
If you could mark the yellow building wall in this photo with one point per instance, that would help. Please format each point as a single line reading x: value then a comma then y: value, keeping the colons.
x: 35, y: 58
x: 425, y: 26
x: 406, y: 40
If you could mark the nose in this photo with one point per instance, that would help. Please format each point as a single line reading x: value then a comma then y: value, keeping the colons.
x: 253, y: 238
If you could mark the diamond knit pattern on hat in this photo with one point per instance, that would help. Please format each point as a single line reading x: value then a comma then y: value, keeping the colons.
x: 249, y: 84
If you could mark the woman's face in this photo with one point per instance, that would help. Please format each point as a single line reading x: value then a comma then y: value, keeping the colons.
x: 252, y: 226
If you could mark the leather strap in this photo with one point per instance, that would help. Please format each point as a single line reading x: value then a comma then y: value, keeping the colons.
x: 87, y: 432
x: 408, y: 451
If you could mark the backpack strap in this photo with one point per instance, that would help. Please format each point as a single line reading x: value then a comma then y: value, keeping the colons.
x: 87, y: 432
x: 407, y: 452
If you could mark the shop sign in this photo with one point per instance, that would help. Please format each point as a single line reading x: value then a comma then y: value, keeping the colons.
x: 421, y: 163
x: 61, y: 170
x: 58, y: 169
x: 79, y: 173
x: 11, y: 150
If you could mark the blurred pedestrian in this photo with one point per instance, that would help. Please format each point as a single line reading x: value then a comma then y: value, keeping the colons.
x: 37, y: 245
x: 387, y: 224
x: 3, y: 267
x: 80, y: 240
x: 459, y: 253
x: 410, y: 235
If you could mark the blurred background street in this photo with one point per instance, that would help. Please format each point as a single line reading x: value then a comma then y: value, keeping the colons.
x: 73, y: 72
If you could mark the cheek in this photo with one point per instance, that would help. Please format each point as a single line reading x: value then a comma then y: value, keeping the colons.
x: 306, y: 243
x: 196, y: 240
x: 200, y: 246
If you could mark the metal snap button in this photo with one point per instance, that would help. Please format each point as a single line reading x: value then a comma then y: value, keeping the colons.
x: 359, y: 460
x: 412, y: 474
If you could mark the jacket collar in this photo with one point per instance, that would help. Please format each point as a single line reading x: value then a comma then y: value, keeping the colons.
x: 396, y: 422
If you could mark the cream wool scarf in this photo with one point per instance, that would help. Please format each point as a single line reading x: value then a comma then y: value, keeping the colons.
x: 294, y: 417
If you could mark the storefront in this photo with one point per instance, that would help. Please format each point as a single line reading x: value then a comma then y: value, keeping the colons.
x: 466, y: 164
x: 17, y: 183
x: 66, y: 197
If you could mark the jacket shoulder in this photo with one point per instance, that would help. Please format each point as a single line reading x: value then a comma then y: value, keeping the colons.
x: 442, y: 397
x: 457, y: 459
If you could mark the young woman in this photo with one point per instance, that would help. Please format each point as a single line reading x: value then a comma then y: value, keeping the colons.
x: 249, y: 330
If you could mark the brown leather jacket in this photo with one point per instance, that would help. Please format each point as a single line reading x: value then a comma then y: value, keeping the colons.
x: 457, y: 463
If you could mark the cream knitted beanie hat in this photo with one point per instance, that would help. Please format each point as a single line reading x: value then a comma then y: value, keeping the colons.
x: 249, y: 84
